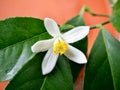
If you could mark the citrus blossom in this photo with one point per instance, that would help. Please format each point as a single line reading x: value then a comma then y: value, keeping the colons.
x: 59, y: 45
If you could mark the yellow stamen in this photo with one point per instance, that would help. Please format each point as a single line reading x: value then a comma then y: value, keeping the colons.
x: 60, y: 47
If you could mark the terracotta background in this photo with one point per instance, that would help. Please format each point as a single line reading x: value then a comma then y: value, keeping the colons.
x: 61, y: 11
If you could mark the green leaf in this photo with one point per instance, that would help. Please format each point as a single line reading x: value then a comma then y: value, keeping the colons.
x: 30, y: 76
x: 115, y: 17
x: 76, y: 21
x: 102, y: 70
x: 81, y: 45
x: 17, y: 35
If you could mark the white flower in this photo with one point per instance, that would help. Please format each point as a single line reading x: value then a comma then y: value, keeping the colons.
x: 59, y: 45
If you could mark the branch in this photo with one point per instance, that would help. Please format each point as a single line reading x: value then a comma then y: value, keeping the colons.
x: 98, y: 25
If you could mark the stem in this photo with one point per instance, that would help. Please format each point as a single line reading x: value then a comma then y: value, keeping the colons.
x: 98, y: 25
x: 87, y: 9
x: 95, y: 14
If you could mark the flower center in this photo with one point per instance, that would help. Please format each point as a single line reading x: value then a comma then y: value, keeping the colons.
x: 60, y: 47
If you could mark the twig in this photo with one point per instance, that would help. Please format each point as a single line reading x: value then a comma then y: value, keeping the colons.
x: 98, y: 25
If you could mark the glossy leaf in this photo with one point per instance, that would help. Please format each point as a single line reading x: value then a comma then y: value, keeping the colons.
x: 30, y: 77
x: 17, y: 35
x: 115, y: 17
x: 19, y: 53
x: 15, y: 52
x: 113, y: 50
x: 102, y: 70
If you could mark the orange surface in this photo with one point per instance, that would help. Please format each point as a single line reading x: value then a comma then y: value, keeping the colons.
x: 60, y: 10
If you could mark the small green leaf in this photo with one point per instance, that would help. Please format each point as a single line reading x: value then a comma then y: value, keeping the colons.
x: 76, y: 21
x: 115, y: 17
x: 66, y: 27
x: 102, y: 70
x: 30, y: 76
x: 17, y: 35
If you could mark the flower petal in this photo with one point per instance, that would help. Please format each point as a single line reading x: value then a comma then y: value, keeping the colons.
x: 76, y: 34
x: 42, y: 45
x: 49, y: 62
x: 75, y: 55
x: 52, y: 27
